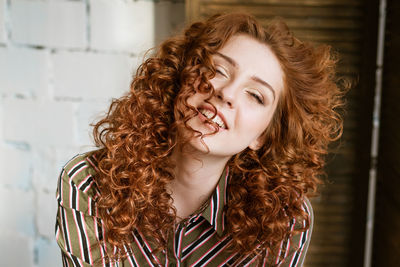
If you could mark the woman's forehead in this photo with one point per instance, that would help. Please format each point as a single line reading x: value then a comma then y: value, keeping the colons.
x: 246, y: 54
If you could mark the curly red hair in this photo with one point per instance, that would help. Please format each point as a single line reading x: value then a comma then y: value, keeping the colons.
x: 267, y: 186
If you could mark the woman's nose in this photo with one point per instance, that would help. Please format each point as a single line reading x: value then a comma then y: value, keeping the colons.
x: 226, y: 95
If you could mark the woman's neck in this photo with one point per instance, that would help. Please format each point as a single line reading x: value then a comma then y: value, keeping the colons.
x: 196, y: 176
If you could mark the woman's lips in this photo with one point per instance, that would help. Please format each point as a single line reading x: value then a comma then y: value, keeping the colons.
x: 208, y: 112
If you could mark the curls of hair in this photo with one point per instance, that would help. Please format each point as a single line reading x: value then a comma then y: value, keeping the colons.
x: 267, y: 186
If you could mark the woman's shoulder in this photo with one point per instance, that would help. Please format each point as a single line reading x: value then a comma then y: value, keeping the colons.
x: 307, y: 207
x: 308, y: 210
x: 76, y: 185
x: 294, y: 250
x: 80, y: 166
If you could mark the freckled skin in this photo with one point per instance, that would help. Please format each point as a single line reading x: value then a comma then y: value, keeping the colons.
x: 248, y: 84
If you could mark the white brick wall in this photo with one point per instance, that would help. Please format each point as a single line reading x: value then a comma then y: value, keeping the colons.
x: 87, y: 75
x: 16, y: 166
x: 49, y: 24
x: 17, y: 209
x: 23, y: 71
x: 89, y: 112
x: 47, y: 162
x: 39, y: 122
x: 3, y: 33
x: 61, y: 62
x: 17, y: 250
x: 122, y: 25
x: 45, y: 207
x: 46, y: 251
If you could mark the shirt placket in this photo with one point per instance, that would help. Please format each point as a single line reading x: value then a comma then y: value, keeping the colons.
x: 178, y: 242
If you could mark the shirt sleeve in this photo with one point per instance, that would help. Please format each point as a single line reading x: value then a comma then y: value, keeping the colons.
x: 78, y: 229
x: 296, y: 248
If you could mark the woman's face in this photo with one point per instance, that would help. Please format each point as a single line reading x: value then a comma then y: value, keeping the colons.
x: 248, y: 84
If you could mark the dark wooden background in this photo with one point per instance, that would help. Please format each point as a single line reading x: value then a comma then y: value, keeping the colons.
x: 350, y: 27
x: 387, y: 219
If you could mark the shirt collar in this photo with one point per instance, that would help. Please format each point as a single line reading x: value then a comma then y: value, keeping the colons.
x: 214, y: 212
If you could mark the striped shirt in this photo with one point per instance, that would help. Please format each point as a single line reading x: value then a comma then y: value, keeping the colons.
x: 198, y: 241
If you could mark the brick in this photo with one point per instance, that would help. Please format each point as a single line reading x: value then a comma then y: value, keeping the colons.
x: 3, y: 31
x: 49, y: 24
x: 46, y: 210
x: 24, y: 71
x: 91, y: 75
x: 38, y: 122
x: 89, y: 113
x: 48, y: 253
x: 16, y: 249
x: 16, y: 167
x: 1, y: 121
x: 17, y: 207
x: 122, y: 25
x: 48, y: 162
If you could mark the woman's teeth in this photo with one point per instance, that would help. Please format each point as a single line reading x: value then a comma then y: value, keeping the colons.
x: 217, y: 119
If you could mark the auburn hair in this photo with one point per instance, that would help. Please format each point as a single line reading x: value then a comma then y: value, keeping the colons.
x: 267, y: 187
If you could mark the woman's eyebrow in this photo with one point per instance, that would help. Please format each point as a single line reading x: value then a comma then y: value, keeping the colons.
x: 254, y: 78
x: 258, y: 80
x: 229, y: 59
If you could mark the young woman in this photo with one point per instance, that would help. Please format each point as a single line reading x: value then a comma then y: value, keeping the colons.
x: 208, y: 160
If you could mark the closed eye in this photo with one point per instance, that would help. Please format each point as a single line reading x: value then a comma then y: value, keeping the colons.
x: 259, y: 99
x: 221, y: 72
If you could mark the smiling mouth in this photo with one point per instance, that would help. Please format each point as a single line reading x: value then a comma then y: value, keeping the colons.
x: 209, y: 115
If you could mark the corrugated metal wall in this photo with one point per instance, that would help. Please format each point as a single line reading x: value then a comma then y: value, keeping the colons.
x: 387, y: 219
x: 350, y: 27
